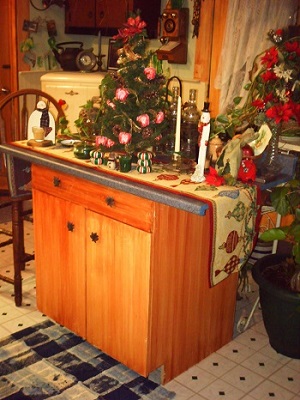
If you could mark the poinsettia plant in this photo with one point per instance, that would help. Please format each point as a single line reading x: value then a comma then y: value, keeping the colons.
x: 133, y: 98
x: 273, y: 93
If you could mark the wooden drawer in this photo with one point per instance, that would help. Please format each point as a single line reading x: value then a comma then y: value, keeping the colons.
x: 124, y: 207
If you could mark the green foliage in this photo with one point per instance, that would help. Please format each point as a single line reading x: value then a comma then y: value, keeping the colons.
x: 286, y: 200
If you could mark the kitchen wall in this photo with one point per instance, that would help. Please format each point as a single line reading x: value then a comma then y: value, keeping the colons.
x: 46, y: 61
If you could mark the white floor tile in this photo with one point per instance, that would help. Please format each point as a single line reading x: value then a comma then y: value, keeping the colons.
x: 294, y: 364
x: 16, y: 325
x: 288, y: 378
x: 216, y: 364
x: 221, y: 390
x: 270, y: 352
x: 262, y: 365
x: 242, y: 378
x: 252, y: 339
x: 195, y: 379
x: 3, y: 332
x: 182, y: 392
x: 236, y: 352
x: 268, y: 390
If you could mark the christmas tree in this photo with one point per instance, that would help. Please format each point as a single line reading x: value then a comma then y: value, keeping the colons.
x: 133, y: 98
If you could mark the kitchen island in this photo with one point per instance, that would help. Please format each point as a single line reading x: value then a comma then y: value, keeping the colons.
x: 124, y: 263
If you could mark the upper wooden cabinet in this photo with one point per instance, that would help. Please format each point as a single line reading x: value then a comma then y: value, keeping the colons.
x: 88, y: 16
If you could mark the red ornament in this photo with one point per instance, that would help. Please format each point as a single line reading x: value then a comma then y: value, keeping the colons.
x: 247, y: 151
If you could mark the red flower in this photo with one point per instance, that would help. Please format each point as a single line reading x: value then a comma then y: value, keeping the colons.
x: 293, y: 47
x: 132, y: 27
x: 258, y: 103
x: 270, y: 58
x: 268, y: 76
x: 280, y: 112
x: 213, y: 178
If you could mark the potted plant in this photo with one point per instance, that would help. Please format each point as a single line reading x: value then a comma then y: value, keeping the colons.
x: 278, y: 276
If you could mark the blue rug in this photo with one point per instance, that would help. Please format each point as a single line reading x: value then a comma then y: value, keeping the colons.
x: 47, y: 361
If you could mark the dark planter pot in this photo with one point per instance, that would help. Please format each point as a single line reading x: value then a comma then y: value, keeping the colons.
x: 280, y: 310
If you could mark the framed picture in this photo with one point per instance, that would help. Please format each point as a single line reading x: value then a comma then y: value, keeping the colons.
x: 112, y: 55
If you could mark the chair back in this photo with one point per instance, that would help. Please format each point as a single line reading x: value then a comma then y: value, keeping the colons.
x: 15, y: 111
x: 16, y: 108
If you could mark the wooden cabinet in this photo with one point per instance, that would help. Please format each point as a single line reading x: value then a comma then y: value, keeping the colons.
x: 90, y: 16
x: 128, y: 274
x: 73, y: 87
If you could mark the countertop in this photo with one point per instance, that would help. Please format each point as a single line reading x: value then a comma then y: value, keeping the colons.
x: 62, y: 159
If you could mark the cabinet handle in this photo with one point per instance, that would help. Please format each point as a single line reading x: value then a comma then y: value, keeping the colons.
x: 110, y: 201
x: 70, y: 226
x: 94, y: 236
x: 72, y: 93
x: 56, y: 181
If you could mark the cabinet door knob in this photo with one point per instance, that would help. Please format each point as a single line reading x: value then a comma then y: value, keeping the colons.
x: 110, y: 201
x: 72, y: 93
x: 70, y: 226
x: 56, y: 181
x: 94, y: 236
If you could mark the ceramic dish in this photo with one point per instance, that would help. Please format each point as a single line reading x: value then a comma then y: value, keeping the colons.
x: 69, y: 142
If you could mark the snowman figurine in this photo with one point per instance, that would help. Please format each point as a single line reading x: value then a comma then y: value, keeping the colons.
x: 203, y: 130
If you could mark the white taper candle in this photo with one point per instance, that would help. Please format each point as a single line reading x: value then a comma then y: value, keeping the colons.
x: 178, y: 123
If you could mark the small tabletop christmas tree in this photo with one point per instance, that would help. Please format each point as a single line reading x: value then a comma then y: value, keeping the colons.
x: 133, y: 98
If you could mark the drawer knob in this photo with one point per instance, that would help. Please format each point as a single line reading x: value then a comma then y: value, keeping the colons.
x: 70, y: 226
x: 110, y: 201
x: 56, y: 181
x: 94, y: 236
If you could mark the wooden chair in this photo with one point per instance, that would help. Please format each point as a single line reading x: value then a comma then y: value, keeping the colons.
x: 15, y: 110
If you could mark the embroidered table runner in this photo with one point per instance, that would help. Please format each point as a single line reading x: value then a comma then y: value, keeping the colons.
x: 233, y: 210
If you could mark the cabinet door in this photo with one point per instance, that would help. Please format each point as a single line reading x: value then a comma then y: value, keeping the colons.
x: 118, y: 285
x: 60, y: 260
x: 112, y: 13
x: 80, y: 14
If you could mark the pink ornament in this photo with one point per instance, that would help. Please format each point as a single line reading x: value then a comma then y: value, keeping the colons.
x: 143, y: 120
x: 110, y: 143
x: 125, y: 137
x: 101, y: 140
x: 111, y: 104
x: 150, y: 73
x: 160, y: 116
x: 122, y: 94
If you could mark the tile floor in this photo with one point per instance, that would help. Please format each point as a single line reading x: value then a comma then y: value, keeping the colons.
x: 247, y: 368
